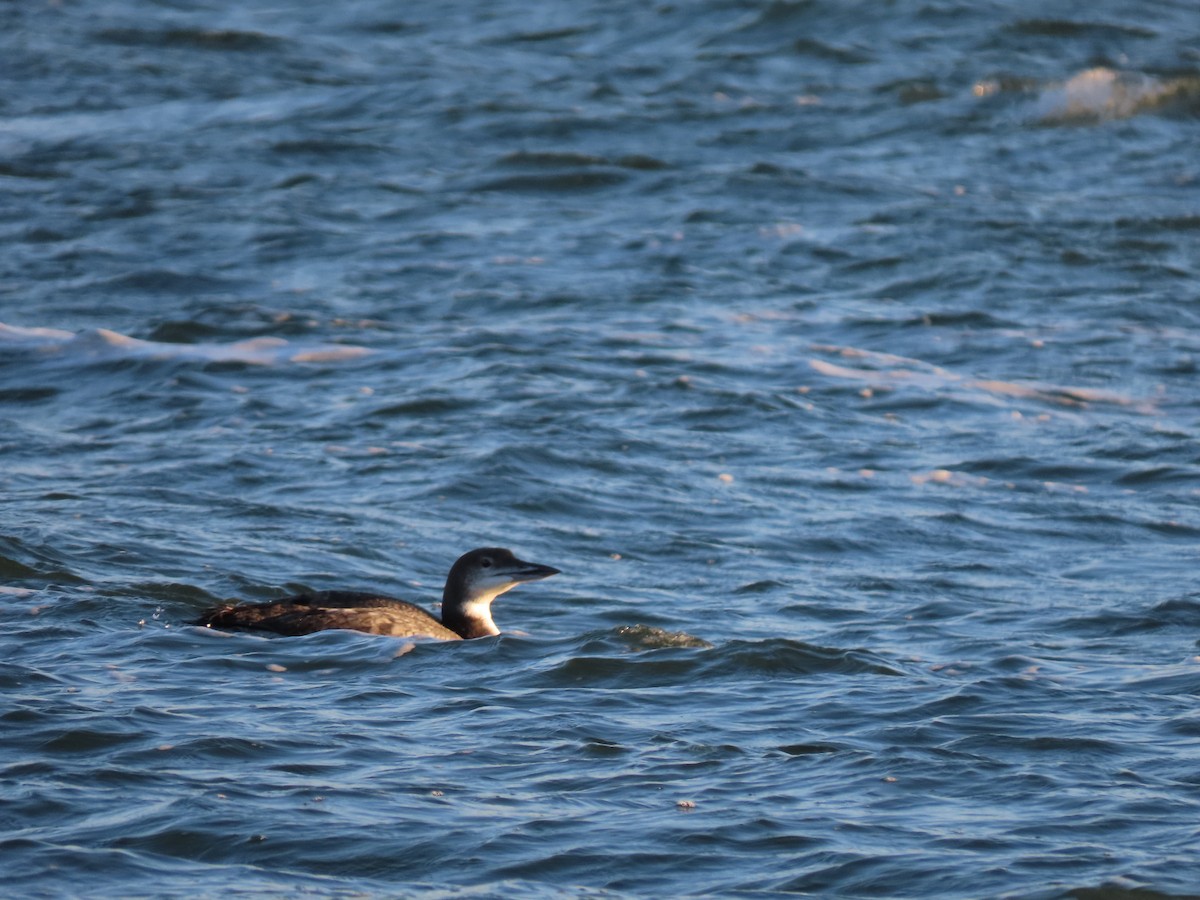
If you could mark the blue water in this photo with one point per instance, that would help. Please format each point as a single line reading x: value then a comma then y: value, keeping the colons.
x: 843, y: 356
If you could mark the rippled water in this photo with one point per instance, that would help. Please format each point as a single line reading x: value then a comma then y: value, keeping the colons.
x: 843, y: 357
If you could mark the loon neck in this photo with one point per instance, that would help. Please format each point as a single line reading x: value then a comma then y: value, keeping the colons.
x: 470, y: 618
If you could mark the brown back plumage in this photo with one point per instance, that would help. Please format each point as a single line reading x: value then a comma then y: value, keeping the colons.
x: 322, y: 610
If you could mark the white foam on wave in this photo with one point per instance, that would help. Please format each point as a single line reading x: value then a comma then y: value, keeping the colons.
x: 102, y: 342
x: 1102, y: 93
x: 886, y: 371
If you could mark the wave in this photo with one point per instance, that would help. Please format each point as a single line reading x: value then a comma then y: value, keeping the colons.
x: 1102, y: 93
x: 1098, y: 94
x: 101, y: 343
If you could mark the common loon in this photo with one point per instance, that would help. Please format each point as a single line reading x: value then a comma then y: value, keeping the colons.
x: 475, y: 580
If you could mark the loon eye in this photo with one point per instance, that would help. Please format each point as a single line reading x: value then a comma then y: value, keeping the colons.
x: 486, y: 562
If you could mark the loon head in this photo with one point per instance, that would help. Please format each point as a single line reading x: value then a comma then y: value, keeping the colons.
x: 475, y: 580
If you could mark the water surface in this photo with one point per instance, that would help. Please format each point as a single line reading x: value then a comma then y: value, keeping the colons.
x: 843, y: 357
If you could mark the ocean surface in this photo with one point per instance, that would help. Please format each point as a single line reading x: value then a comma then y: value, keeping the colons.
x: 844, y: 356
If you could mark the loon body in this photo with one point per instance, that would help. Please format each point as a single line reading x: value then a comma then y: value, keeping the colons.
x: 475, y: 580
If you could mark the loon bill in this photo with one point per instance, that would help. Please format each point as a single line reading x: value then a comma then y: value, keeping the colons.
x: 475, y: 580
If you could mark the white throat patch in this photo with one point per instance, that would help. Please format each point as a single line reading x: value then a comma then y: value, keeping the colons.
x: 480, y: 610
